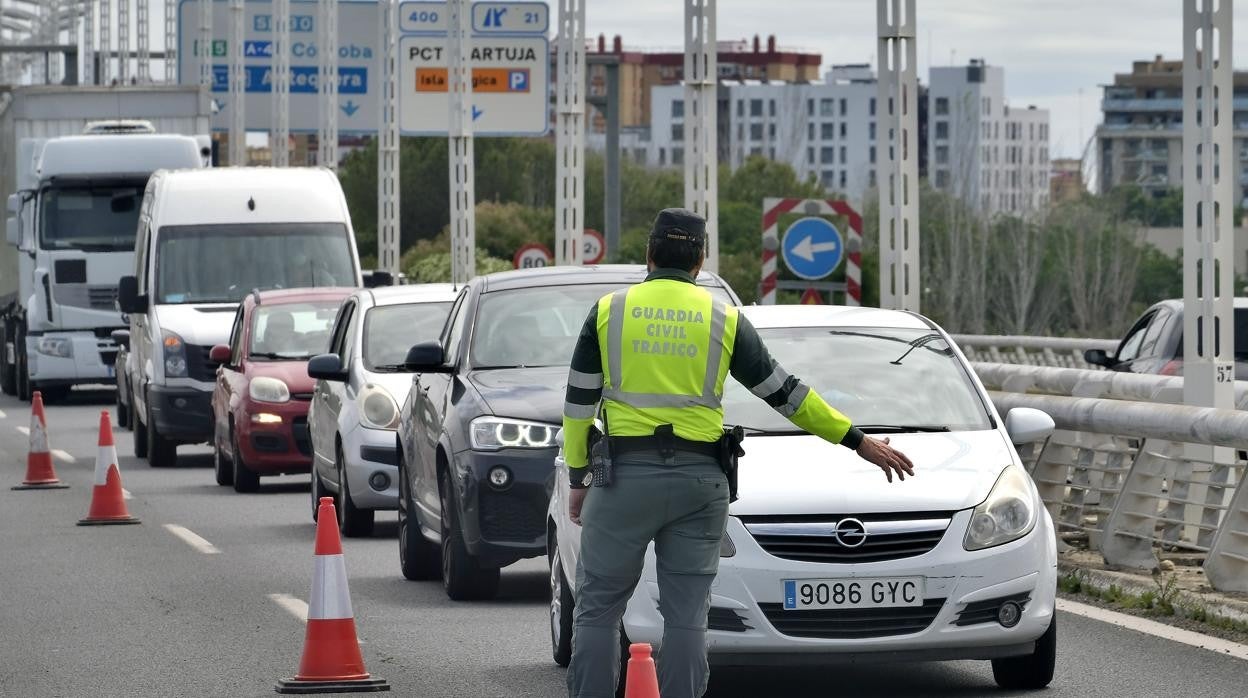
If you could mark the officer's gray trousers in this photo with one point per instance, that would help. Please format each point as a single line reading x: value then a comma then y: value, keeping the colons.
x: 683, y: 508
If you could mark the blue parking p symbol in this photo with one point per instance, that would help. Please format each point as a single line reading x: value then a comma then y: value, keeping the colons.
x: 518, y: 81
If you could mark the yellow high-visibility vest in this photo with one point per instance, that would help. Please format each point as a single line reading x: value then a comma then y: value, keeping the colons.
x: 666, y: 347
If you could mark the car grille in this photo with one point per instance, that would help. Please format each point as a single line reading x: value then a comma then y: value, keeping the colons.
x: 985, y: 611
x: 303, y: 437
x: 726, y: 620
x: 814, y: 539
x: 509, y: 517
x: 853, y: 623
x: 198, y: 366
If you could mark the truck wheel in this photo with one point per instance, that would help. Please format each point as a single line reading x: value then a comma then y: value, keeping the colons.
x: 21, y: 369
x: 161, y: 452
x: 8, y: 377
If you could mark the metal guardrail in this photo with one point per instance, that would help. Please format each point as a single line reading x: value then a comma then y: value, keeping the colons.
x: 1065, y: 352
x: 1074, y: 382
x: 1138, y: 478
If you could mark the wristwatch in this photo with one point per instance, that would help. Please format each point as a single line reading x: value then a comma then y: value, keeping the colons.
x: 580, y: 478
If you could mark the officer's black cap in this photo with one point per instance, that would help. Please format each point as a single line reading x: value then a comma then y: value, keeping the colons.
x: 679, y: 224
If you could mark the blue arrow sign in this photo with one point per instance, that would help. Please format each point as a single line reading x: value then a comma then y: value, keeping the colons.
x: 350, y: 108
x: 813, y: 248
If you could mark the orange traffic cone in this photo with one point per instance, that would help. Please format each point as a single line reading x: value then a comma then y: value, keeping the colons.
x: 642, y: 680
x: 331, y: 653
x: 108, y: 503
x: 39, y: 472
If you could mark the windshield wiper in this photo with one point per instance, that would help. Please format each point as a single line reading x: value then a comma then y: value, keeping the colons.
x: 919, y: 342
x: 902, y: 428
x: 279, y: 357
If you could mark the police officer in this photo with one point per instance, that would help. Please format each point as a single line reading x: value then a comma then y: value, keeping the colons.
x: 656, y: 356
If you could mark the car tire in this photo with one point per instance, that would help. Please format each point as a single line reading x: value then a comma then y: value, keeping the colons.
x: 222, y: 468
x: 418, y: 558
x: 161, y: 452
x: 1032, y: 671
x: 462, y: 576
x: 352, y: 521
x: 625, y: 643
x: 140, y: 437
x: 317, y: 490
x: 123, y: 413
x: 562, y: 605
x: 53, y: 394
x: 245, y: 479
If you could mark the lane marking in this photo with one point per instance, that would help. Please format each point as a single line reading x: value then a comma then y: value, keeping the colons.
x: 192, y: 539
x: 295, y: 606
x: 1152, y: 627
x: 25, y: 431
x: 63, y: 456
x: 125, y: 494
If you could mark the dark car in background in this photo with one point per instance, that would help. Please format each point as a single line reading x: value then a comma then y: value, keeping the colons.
x: 1154, y: 344
x: 477, y: 431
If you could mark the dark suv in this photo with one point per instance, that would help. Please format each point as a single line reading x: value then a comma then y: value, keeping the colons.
x: 476, y: 435
x: 1154, y: 344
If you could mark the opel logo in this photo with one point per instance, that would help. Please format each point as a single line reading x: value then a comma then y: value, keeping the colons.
x: 850, y: 533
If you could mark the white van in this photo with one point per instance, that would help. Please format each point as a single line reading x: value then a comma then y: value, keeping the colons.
x: 205, y: 239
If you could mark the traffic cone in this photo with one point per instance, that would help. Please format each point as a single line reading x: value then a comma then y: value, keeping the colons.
x: 108, y: 503
x: 39, y: 472
x: 642, y: 680
x: 331, y: 653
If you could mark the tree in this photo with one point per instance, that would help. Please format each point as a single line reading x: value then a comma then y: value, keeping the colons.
x: 1099, y: 258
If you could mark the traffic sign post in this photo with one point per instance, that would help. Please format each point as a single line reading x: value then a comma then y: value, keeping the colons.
x: 595, y: 247
x: 813, y: 248
x: 533, y: 255
x: 510, y: 60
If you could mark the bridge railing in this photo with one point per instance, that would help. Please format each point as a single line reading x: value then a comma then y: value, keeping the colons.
x: 1132, y: 473
x: 1066, y: 352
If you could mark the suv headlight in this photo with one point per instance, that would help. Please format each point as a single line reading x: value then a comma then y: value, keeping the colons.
x: 265, y: 389
x: 493, y: 433
x: 378, y: 410
x: 61, y: 347
x: 1009, y: 512
x: 175, y: 356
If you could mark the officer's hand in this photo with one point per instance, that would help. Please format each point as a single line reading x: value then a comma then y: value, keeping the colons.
x: 576, y: 498
x: 886, y: 458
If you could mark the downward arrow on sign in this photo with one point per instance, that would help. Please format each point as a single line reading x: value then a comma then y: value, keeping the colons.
x: 807, y: 250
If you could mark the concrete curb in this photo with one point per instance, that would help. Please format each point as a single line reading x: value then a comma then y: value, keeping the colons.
x: 1185, y: 602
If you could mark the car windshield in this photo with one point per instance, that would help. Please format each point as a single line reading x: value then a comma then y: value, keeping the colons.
x: 390, y: 330
x: 537, y: 326
x: 93, y: 217
x: 291, y: 331
x: 880, y: 377
x: 221, y: 263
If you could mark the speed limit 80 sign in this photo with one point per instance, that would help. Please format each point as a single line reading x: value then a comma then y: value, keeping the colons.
x: 532, y: 256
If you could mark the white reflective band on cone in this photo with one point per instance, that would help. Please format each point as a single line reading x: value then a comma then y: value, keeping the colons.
x: 105, y: 457
x: 330, y: 599
x: 38, y: 436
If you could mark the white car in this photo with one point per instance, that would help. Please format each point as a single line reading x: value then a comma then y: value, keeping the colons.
x: 823, y: 559
x: 361, y: 382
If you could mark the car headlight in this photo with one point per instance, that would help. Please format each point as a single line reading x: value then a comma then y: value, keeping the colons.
x: 1009, y: 512
x: 60, y: 347
x: 493, y: 433
x: 378, y: 410
x: 265, y: 389
x: 175, y: 356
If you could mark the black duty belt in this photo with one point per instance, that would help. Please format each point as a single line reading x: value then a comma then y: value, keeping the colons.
x: 633, y: 444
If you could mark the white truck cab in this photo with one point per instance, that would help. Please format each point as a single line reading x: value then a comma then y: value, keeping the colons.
x: 205, y: 239
x: 72, y: 221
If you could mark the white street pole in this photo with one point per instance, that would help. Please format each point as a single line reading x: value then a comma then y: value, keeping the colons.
x: 388, y: 199
x: 87, y: 75
x: 701, y: 117
x: 171, y: 42
x: 327, y: 134
x: 570, y: 134
x: 106, y: 42
x: 123, y: 41
x: 205, y: 43
x: 238, y: 86
x: 897, y: 106
x: 279, y: 137
x: 462, y: 186
x: 142, y: 23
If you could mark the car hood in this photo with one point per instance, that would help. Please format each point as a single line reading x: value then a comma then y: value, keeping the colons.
x: 293, y: 373
x: 804, y: 474
x: 523, y: 393
x: 203, y: 325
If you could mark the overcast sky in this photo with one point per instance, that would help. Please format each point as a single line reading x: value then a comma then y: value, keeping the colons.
x: 1050, y: 49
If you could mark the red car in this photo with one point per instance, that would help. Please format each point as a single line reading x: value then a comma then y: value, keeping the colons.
x: 260, y: 402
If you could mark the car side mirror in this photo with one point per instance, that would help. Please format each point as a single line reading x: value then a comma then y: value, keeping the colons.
x: 14, y: 204
x: 426, y: 357
x: 1026, y: 425
x: 128, y: 297
x: 1097, y: 357
x: 219, y: 354
x: 327, y: 367
x: 122, y: 338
